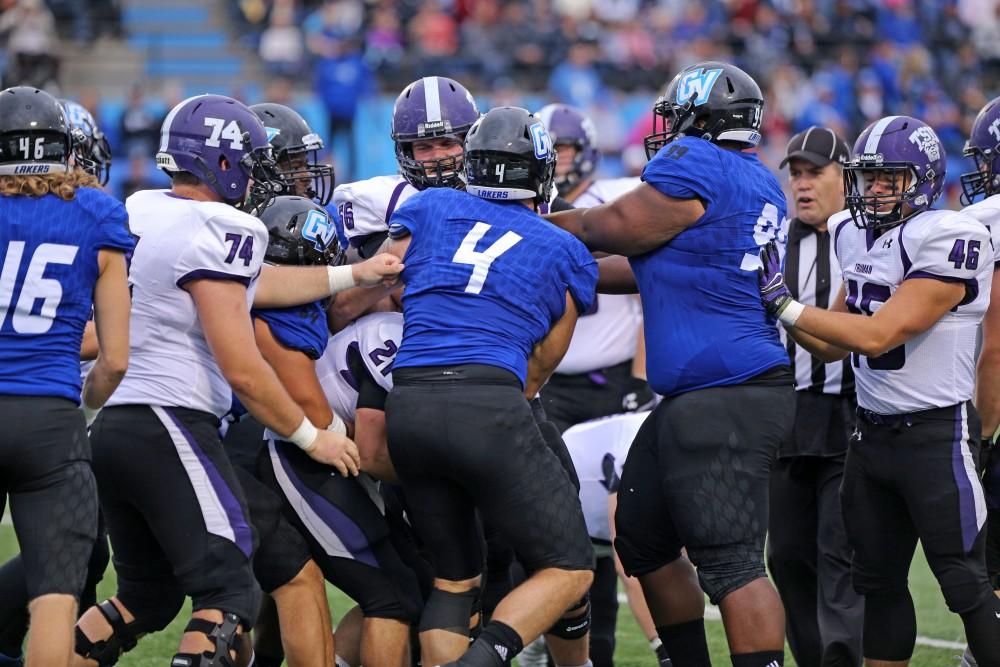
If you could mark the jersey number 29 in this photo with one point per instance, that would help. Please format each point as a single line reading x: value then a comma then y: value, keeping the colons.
x: 35, y: 286
x: 481, y: 261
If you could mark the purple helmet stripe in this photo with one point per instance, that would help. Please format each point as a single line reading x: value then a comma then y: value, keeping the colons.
x: 432, y: 98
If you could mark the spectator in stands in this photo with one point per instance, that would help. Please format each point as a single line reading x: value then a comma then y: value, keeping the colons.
x: 29, y: 31
x: 576, y: 81
x: 139, y: 127
x: 281, y: 44
x: 342, y: 78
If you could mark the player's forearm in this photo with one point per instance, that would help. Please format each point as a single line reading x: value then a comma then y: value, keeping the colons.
x: 88, y: 344
x: 869, y: 336
x: 102, y: 380
x: 257, y: 386
x: 825, y: 352
x: 352, y: 303
x: 988, y: 389
x: 614, y: 276
x: 287, y: 286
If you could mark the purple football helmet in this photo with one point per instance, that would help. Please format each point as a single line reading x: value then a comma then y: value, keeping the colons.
x: 983, y: 147
x: 203, y: 132
x: 569, y: 126
x: 91, y: 151
x: 892, y: 147
x: 434, y: 106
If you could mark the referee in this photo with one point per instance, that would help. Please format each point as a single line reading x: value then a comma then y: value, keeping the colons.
x: 807, y: 550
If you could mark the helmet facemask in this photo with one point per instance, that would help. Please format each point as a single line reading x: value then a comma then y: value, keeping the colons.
x: 302, y: 172
x: 882, y: 211
x: 985, y: 180
x: 442, y: 172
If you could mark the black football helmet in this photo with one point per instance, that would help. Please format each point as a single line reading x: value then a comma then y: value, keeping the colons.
x: 710, y: 100
x: 508, y: 156
x: 296, y: 150
x: 34, y: 133
x: 300, y: 233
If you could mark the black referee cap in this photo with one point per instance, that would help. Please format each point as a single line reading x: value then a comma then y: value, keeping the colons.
x: 818, y: 145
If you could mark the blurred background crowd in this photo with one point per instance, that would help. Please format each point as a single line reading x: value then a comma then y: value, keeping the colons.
x: 840, y: 63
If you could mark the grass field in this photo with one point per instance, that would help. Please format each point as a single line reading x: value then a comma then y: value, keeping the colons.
x: 934, y: 621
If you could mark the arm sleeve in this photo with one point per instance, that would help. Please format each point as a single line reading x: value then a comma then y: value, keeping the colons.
x: 404, y: 219
x: 112, y: 228
x: 225, y: 248
x: 685, y: 169
x: 370, y: 393
x: 952, y: 250
x: 581, y: 280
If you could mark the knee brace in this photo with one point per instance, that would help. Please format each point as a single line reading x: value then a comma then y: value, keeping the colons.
x: 575, y: 623
x: 107, y: 651
x: 223, y: 635
x: 451, y: 612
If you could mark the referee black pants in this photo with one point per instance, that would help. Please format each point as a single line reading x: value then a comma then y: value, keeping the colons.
x: 810, y: 562
x: 808, y: 553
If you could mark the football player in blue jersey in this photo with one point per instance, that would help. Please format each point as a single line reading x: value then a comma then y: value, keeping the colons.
x: 697, y: 474
x: 62, y: 244
x: 92, y: 155
x: 491, y: 299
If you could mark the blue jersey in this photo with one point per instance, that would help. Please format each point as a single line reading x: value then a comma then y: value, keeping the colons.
x: 485, y: 281
x: 704, y: 322
x: 48, y: 267
x: 301, y: 328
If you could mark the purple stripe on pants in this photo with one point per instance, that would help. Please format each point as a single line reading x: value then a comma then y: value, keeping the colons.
x: 966, y: 499
x: 349, y: 533
x: 230, y: 504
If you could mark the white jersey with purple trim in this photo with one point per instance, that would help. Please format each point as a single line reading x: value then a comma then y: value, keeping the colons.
x: 170, y: 363
x: 606, y: 334
x: 937, y: 368
x: 366, y: 206
x: 598, y: 449
x: 987, y: 211
x: 377, y: 337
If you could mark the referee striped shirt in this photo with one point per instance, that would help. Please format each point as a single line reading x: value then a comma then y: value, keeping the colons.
x: 812, y: 273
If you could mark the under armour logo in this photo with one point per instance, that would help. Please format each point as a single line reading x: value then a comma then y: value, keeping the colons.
x: 501, y: 650
x: 887, y: 243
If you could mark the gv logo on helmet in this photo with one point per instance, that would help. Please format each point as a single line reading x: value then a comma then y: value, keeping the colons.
x: 318, y: 229
x: 925, y: 139
x: 697, y: 83
x: 541, y: 140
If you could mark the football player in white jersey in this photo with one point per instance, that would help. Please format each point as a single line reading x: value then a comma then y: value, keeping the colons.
x: 176, y: 516
x: 429, y: 121
x: 595, y: 378
x: 917, y: 284
x: 983, y: 147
